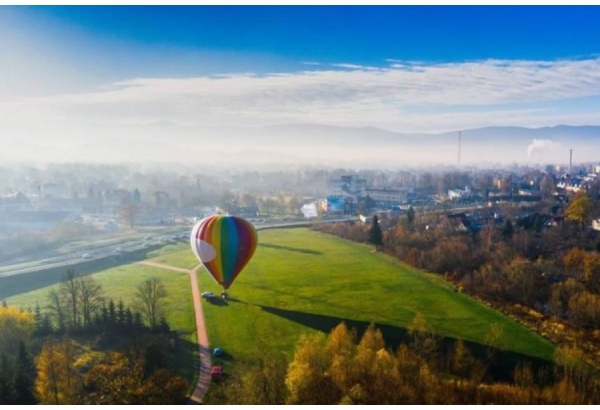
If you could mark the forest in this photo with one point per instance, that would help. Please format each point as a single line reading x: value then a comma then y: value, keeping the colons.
x: 84, y: 348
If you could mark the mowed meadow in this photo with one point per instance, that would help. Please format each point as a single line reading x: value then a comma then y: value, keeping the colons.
x: 301, y: 281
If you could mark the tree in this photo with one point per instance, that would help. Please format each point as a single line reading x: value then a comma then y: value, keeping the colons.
x: 129, y: 213
x: 56, y: 381
x: 90, y: 297
x: 547, y: 187
x: 375, y: 234
x: 16, y: 325
x: 118, y: 379
x: 24, y: 377
x: 579, y: 209
x: 58, y: 307
x: 7, y: 394
x: 137, y: 198
x: 70, y: 287
x: 149, y: 297
x: 261, y: 383
x: 410, y: 216
x: 507, y: 229
x: 306, y: 378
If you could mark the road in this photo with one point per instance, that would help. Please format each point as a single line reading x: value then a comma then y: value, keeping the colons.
x: 93, y: 251
x: 204, y: 378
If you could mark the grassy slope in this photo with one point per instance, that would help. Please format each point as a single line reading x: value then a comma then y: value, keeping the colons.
x: 300, y: 281
x: 298, y: 278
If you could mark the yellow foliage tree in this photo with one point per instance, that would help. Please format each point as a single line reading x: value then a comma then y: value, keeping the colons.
x: 306, y: 379
x: 16, y: 325
x: 57, y: 380
x: 579, y: 209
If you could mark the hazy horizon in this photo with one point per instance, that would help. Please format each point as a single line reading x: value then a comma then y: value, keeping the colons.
x: 231, y: 85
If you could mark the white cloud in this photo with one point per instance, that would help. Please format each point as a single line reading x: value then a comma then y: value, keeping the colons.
x: 398, y: 97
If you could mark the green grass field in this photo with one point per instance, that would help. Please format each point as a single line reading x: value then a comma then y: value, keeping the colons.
x: 302, y: 281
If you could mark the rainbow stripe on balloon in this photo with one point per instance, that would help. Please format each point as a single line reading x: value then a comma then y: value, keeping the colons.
x: 224, y: 244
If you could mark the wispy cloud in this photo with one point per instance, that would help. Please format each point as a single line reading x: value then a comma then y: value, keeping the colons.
x: 340, y: 94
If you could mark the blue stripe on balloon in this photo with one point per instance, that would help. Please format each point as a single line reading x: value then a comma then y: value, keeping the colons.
x: 229, y: 248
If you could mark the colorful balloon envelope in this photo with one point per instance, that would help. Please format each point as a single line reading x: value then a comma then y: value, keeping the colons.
x: 224, y: 244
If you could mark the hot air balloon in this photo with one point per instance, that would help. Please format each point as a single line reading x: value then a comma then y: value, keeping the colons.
x: 224, y: 244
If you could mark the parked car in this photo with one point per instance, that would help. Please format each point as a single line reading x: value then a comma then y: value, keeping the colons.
x: 207, y: 295
x: 216, y: 373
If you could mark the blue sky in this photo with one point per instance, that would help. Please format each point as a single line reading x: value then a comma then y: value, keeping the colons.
x: 405, y: 69
x: 288, y: 35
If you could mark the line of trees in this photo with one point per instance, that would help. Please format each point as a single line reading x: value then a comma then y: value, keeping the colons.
x: 79, y: 305
x: 136, y: 376
x: 345, y: 369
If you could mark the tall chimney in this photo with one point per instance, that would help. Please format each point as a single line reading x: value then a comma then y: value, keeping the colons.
x: 570, y: 161
x: 459, y: 138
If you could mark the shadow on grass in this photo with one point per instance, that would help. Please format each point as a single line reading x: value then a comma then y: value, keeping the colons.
x: 186, y: 361
x: 501, y: 367
x: 236, y: 300
x: 224, y: 357
x: 26, y: 282
x: 290, y: 248
x: 217, y: 301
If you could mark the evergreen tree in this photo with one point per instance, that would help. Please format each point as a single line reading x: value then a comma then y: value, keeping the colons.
x: 112, y: 314
x: 138, y: 323
x: 24, y: 377
x: 375, y: 235
x: 105, y: 317
x: 538, y: 222
x: 507, y: 229
x: 7, y: 394
x: 38, y: 318
x: 121, y: 319
x: 410, y: 215
x: 128, y: 319
x: 163, y: 325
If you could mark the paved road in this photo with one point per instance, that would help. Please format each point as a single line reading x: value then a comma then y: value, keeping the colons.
x: 97, y: 251
x: 204, y: 378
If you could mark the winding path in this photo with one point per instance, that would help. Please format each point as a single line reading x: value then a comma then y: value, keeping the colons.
x: 203, y: 346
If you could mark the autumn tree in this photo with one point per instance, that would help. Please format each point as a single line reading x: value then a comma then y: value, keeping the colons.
x: 57, y: 380
x: 149, y: 297
x: 16, y: 326
x: 118, y: 379
x: 579, y: 210
x: 423, y: 339
x: 260, y: 383
x: 306, y: 378
x: 341, y: 346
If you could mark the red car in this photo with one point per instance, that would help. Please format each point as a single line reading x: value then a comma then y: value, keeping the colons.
x: 216, y: 373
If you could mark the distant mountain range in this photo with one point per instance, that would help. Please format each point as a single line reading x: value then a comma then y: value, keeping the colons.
x: 319, y: 145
